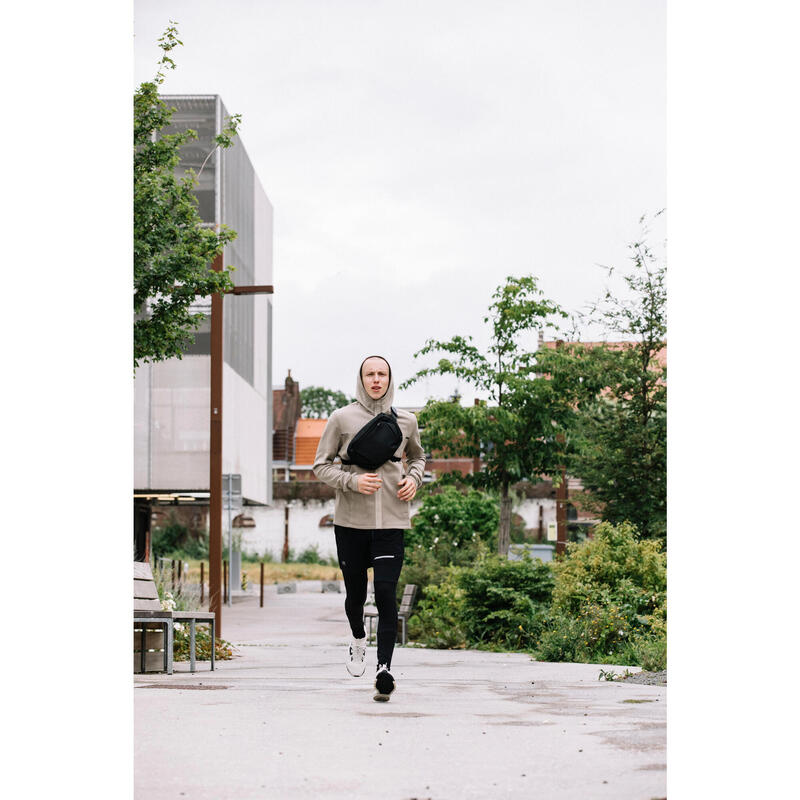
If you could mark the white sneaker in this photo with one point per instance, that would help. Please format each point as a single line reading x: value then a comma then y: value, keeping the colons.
x: 356, y: 657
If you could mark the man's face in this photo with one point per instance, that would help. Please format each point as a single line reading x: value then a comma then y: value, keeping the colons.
x: 375, y: 377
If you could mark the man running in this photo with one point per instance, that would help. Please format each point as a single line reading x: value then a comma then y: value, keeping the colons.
x: 371, y: 513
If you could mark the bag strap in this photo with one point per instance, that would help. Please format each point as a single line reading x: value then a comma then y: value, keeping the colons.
x: 391, y: 458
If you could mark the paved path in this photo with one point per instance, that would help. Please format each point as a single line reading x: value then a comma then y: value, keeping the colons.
x: 285, y: 720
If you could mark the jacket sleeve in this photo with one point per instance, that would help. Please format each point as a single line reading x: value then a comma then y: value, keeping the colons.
x: 415, y: 455
x: 328, y: 449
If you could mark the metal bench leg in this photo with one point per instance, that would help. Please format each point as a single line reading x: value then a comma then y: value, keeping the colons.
x: 144, y: 640
x: 213, y: 641
x: 403, y: 621
x: 191, y: 645
x: 168, y: 653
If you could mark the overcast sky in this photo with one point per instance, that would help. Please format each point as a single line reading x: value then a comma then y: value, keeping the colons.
x: 417, y: 153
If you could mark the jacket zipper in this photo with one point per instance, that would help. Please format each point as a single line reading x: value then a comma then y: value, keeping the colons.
x: 378, y: 504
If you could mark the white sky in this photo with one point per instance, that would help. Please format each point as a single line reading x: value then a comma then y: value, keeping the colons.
x: 417, y: 153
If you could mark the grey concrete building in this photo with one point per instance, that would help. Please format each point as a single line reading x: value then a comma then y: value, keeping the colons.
x: 171, y: 406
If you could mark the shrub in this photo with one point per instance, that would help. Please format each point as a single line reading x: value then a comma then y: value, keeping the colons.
x: 650, y: 652
x: 437, y: 621
x: 598, y: 634
x: 605, y: 602
x: 426, y: 567
x: 504, y: 601
x: 496, y: 604
x: 174, y: 540
x: 609, y: 601
x: 310, y: 555
x: 559, y: 639
x: 450, y: 519
x: 649, y: 649
x: 202, y: 644
x: 613, y: 567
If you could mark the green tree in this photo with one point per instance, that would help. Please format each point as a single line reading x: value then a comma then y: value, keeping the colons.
x: 319, y: 403
x: 173, y: 249
x: 620, y: 436
x: 516, y: 433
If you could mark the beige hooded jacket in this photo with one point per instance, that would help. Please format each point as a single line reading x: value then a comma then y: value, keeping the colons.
x: 383, y: 509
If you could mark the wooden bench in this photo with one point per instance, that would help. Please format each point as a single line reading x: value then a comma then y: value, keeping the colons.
x: 403, y: 613
x: 154, y: 628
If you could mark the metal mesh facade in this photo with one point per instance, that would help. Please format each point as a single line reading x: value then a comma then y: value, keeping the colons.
x: 225, y: 195
x: 237, y: 193
x: 199, y: 114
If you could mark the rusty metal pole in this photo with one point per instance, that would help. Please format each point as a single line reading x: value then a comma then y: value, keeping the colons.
x: 285, y: 554
x: 215, y: 465
x: 476, y: 462
x: 561, y: 514
x: 215, y: 460
x: 202, y: 582
x: 561, y: 507
x: 262, y: 585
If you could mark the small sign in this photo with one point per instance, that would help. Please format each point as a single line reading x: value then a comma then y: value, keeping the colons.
x: 231, y: 492
x: 552, y: 531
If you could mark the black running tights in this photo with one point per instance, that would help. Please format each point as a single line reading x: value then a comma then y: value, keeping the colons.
x: 383, y: 551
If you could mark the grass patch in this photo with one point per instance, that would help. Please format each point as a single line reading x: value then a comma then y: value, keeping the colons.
x: 273, y: 573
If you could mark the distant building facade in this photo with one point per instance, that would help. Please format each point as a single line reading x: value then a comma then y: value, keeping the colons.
x: 171, y: 403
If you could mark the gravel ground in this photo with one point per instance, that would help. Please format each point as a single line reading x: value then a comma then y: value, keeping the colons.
x: 647, y: 678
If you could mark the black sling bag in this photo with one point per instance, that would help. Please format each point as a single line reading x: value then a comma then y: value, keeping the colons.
x: 376, y: 442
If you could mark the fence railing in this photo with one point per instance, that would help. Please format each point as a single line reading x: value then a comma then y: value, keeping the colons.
x: 179, y: 573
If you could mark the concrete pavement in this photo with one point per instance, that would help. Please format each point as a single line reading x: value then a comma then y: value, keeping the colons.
x: 284, y: 720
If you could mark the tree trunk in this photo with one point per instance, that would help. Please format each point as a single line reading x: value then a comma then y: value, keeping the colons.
x: 504, y: 534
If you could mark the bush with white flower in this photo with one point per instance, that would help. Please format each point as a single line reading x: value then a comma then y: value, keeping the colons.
x: 451, y: 528
x: 185, y: 597
x: 452, y: 518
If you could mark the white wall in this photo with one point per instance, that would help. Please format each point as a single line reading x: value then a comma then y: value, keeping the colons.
x: 171, y: 428
x: 304, y: 529
x: 244, y: 434
x: 141, y: 427
x: 529, y: 511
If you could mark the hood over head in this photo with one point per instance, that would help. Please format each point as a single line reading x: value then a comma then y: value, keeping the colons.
x: 382, y: 403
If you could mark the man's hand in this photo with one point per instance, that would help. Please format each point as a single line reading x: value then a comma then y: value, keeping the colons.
x: 369, y: 483
x: 407, y: 490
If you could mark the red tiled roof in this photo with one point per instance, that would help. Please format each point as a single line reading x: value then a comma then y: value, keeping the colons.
x: 311, y: 427
x: 307, y: 436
